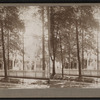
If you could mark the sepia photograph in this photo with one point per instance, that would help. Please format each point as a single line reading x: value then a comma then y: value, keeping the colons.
x: 49, y: 46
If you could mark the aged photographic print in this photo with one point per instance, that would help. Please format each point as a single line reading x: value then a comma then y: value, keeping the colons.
x: 49, y: 46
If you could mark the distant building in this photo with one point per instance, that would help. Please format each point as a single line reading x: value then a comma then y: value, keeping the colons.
x: 90, y: 61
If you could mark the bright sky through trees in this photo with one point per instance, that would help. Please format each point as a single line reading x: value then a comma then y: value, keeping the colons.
x: 33, y: 28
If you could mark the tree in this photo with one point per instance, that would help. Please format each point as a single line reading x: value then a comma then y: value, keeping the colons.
x: 52, y: 40
x: 89, y: 25
x: 59, y: 22
x: 72, y: 22
x: 43, y: 39
x: 48, y: 17
x: 10, y: 22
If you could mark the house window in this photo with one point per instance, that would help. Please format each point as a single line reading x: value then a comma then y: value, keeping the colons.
x: 66, y: 65
x: 71, y: 65
x: 75, y: 65
x: 10, y: 64
x: 32, y: 67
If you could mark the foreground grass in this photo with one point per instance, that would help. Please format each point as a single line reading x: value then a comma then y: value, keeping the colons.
x: 70, y: 82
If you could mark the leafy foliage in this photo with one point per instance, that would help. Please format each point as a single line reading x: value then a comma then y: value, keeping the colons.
x: 63, y: 21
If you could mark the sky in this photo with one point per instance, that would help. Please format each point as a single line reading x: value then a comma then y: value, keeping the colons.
x: 33, y: 27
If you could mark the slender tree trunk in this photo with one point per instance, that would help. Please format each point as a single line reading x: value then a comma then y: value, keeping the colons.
x: 8, y: 50
x: 53, y: 40
x: 53, y: 67
x: 69, y: 51
x: 78, y: 54
x: 82, y: 32
x: 23, y: 54
x: 3, y: 48
x: 43, y: 40
x: 97, y: 51
x: 53, y: 62
x: 62, y: 62
x: 61, y: 55
x: 82, y: 50
x: 53, y: 56
x: 48, y: 17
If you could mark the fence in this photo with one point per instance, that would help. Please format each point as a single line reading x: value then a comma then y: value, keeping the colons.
x: 75, y: 72
x: 45, y: 74
x: 29, y: 74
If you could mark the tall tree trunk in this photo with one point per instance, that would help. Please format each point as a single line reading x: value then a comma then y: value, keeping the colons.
x: 78, y: 54
x: 23, y: 54
x: 61, y: 55
x: 53, y: 60
x: 69, y: 51
x: 48, y: 17
x: 43, y: 40
x: 82, y: 32
x: 8, y: 50
x: 97, y: 51
x: 82, y: 50
x: 3, y: 48
x: 53, y: 56
x: 53, y: 40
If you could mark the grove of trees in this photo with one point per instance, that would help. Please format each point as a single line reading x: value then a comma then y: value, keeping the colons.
x: 71, y: 33
x: 10, y: 26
